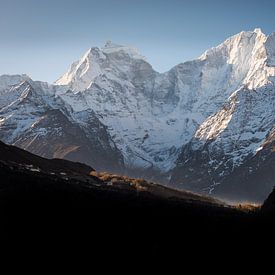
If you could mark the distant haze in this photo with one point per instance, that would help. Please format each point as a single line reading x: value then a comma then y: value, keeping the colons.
x: 42, y: 38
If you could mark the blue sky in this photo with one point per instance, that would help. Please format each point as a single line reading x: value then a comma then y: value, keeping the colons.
x: 42, y: 38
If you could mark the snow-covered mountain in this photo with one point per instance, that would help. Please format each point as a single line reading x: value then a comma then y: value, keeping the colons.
x: 36, y: 119
x: 229, y: 138
x: 196, y: 123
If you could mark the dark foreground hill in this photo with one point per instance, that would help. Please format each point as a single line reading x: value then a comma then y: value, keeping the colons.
x: 67, y: 208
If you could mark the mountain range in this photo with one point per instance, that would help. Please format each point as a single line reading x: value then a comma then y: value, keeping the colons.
x: 206, y: 125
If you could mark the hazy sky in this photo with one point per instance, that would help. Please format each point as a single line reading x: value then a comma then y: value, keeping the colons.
x: 43, y: 37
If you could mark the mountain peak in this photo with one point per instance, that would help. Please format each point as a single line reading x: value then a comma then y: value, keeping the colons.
x: 83, y: 72
x: 132, y: 52
x: 7, y: 81
x: 258, y: 31
x: 110, y: 44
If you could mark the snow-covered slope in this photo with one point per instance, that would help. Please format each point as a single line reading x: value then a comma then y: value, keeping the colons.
x: 37, y: 120
x: 213, y: 112
x: 151, y: 115
x: 234, y: 134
